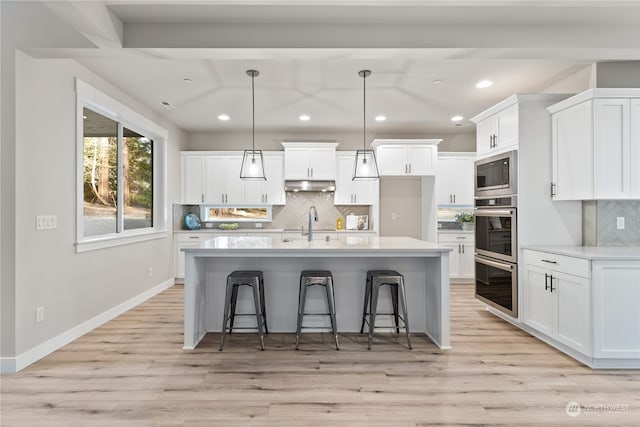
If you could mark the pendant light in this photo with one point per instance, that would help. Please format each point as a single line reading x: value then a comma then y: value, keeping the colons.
x: 366, y: 167
x: 252, y: 161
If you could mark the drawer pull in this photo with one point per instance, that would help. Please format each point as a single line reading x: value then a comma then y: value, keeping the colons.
x: 461, y: 237
x: 549, y: 261
x: 194, y: 237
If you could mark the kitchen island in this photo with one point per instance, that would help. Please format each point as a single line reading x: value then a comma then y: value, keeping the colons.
x: 424, y: 265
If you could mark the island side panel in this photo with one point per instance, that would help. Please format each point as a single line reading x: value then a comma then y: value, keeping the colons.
x: 281, y: 277
x: 195, y: 297
x: 437, y: 300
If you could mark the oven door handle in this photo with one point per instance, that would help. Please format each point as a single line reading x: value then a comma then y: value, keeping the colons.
x: 502, y: 266
x: 494, y: 212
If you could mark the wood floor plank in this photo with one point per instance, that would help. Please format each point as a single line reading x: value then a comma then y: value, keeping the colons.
x: 133, y: 372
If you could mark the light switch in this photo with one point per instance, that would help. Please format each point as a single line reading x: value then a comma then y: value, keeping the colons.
x: 394, y: 216
x: 620, y: 223
x: 46, y: 222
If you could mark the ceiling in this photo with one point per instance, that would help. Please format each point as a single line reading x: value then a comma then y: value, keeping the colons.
x: 425, y: 57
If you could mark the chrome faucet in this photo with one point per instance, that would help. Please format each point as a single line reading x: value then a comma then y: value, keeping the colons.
x: 315, y: 218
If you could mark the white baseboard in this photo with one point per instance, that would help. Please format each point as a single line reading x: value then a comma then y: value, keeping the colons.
x: 11, y: 365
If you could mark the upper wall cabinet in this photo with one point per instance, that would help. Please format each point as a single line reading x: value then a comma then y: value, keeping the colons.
x: 213, y: 177
x: 348, y: 191
x: 270, y: 191
x: 497, y: 128
x: 596, y: 145
x: 314, y: 161
x: 406, y: 157
x: 454, y: 182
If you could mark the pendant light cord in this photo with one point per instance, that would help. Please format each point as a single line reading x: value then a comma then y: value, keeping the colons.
x: 364, y: 110
x: 253, y: 118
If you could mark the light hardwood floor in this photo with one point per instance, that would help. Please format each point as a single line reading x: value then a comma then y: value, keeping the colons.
x: 133, y: 372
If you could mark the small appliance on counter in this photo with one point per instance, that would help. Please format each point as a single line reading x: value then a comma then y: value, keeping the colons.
x: 357, y: 222
x: 192, y: 221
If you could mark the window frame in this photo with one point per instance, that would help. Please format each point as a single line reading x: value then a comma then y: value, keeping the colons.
x: 97, y: 101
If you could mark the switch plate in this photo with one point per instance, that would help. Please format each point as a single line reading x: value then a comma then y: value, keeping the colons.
x: 394, y: 216
x: 149, y: 272
x: 620, y: 223
x: 46, y: 222
x: 39, y: 314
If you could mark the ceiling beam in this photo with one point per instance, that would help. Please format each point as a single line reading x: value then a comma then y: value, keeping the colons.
x: 91, y: 19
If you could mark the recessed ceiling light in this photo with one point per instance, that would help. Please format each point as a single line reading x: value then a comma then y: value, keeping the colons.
x: 187, y: 80
x: 484, y: 83
x: 304, y: 118
x: 437, y: 81
x: 223, y: 117
x: 456, y: 118
x: 381, y: 118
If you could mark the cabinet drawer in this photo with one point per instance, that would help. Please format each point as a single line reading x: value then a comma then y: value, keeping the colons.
x: 193, y: 237
x: 455, y: 238
x: 561, y: 263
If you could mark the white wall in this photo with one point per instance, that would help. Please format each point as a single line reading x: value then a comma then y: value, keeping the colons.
x: 347, y: 141
x: 41, y: 268
x: 72, y: 287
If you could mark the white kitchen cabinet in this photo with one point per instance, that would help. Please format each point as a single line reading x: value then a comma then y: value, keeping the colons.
x: 222, y: 180
x: 596, y: 145
x: 348, y: 191
x: 558, y: 298
x: 186, y: 240
x: 454, y: 181
x: 270, y: 191
x: 461, y: 258
x: 192, y: 179
x: 309, y: 161
x: 498, y: 131
x: 406, y: 157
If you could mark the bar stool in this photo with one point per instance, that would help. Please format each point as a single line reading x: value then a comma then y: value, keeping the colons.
x: 395, y: 280
x: 320, y: 278
x: 255, y: 280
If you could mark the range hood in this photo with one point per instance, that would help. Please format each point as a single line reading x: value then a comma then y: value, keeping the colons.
x: 303, y: 185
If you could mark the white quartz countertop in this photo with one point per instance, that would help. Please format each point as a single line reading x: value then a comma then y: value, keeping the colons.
x: 265, y: 231
x: 592, y: 252
x: 342, y: 246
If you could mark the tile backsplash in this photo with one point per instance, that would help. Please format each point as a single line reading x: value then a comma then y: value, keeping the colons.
x: 600, y: 218
x: 293, y: 215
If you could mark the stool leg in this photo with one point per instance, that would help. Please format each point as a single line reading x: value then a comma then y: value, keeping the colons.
x: 234, y: 302
x: 264, y: 310
x: 331, y: 302
x: 372, y: 311
x: 394, y: 301
x: 367, y: 296
x: 405, y: 313
x: 302, y: 296
x: 225, y: 316
x: 256, y: 300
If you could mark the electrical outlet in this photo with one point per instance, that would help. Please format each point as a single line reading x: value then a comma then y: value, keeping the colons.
x: 394, y: 216
x: 620, y: 223
x: 258, y: 225
x: 39, y: 314
x: 149, y: 272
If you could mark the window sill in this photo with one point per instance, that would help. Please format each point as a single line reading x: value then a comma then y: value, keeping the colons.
x: 111, y: 241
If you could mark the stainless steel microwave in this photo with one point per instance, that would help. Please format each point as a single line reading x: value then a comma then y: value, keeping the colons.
x: 497, y: 175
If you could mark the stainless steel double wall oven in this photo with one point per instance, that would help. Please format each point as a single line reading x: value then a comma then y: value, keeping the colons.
x: 496, y: 254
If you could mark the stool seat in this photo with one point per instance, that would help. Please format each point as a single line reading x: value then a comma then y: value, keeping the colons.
x: 255, y: 280
x: 317, y: 278
x: 395, y: 280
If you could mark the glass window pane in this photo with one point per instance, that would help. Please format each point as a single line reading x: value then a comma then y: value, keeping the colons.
x: 100, y: 174
x: 137, y: 180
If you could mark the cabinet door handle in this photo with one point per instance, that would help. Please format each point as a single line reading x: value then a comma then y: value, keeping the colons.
x: 549, y: 261
x: 546, y: 284
x: 551, y: 282
x: 266, y: 198
x: 355, y: 198
x: 450, y: 200
x: 553, y: 189
x: 311, y: 172
x: 202, y: 197
x: 221, y: 198
x: 454, y: 198
x: 409, y: 167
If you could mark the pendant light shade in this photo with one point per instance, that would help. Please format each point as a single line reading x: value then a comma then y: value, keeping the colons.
x: 366, y: 167
x: 252, y: 161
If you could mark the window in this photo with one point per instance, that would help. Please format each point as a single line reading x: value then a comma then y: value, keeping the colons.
x: 121, y: 193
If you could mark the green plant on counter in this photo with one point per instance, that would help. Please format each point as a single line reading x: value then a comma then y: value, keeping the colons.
x: 464, y: 217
